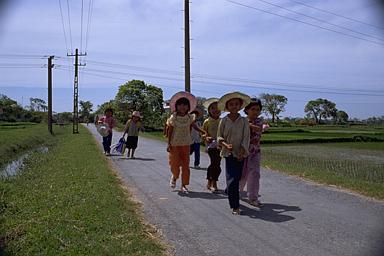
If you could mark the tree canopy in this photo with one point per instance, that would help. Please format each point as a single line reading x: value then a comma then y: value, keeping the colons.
x: 321, y: 109
x: 136, y: 95
x: 273, y: 104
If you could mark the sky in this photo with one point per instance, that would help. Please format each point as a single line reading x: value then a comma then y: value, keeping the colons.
x: 235, y: 47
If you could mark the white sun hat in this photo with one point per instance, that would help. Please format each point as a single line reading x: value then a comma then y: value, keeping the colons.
x: 233, y: 95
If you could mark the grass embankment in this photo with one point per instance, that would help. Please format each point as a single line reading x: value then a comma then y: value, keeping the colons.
x: 68, y: 201
x: 358, y: 166
x: 17, y: 138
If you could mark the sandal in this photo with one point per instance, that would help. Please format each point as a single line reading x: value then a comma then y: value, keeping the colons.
x: 172, y: 182
x: 184, y: 189
x: 236, y: 211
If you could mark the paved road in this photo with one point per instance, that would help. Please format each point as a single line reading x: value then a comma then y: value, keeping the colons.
x: 299, y: 218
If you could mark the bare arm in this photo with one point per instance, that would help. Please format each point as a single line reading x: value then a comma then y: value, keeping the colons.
x: 197, y: 128
x: 169, y: 136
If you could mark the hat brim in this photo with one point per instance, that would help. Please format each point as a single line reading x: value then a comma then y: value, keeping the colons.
x: 233, y: 95
x: 192, y: 100
x: 209, y: 101
x: 103, y: 130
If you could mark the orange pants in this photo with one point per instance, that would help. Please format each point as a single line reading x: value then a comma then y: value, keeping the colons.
x: 179, y: 157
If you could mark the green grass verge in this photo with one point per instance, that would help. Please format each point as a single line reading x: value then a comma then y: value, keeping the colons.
x: 18, y: 138
x: 69, y: 202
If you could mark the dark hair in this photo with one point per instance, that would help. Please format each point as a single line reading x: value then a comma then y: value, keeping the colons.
x: 108, y: 110
x: 254, y: 102
x: 226, y: 103
x: 210, y: 105
x: 183, y: 101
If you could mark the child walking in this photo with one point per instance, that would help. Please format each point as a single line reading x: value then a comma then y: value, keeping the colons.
x: 179, y: 137
x: 110, y: 121
x: 196, y: 139
x: 132, y: 128
x: 233, y: 135
x: 210, y: 126
x: 251, y: 170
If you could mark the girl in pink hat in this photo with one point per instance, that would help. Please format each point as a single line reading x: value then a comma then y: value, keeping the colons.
x: 132, y: 128
x: 179, y: 137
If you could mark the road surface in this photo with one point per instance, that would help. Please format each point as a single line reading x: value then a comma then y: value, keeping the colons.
x: 298, y: 217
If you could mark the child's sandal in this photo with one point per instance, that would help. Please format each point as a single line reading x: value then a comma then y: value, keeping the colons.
x: 236, y: 211
x: 172, y: 182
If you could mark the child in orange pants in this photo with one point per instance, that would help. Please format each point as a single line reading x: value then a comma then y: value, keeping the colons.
x: 179, y: 137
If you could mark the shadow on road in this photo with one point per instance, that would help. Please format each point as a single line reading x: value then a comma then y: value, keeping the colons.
x: 270, y: 212
x: 198, y: 168
x: 137, y: 158
x: 202, y: 195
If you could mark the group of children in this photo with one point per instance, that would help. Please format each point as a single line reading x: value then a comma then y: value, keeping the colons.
x: 132, y: 128
x: 233, y: 137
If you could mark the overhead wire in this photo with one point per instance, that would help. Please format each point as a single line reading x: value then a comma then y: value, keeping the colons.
x: 337, y: 14
x: 231, y: 79
x: 304, y: 22
x: 81, y: 26
x: 215, y: 92
x: 320, y: 20
x: 70, y: 27
x: 62, y: 22
x: 261, y: 86
x: 90, y: 13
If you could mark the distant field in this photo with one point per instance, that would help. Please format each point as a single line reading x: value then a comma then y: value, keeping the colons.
x: 355, y: 165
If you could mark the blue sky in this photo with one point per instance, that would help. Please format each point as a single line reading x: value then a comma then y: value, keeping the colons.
x: 229, y: 41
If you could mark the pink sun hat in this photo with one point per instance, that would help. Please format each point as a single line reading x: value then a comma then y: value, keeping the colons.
x: 192, y: 100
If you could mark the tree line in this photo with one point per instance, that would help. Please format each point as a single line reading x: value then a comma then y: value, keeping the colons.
x: 148, y: 99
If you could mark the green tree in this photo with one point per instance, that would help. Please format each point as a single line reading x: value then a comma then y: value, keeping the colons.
x: 137, y: 95
x: 342, y: 117
x: 273, y: 104
x: 320, y: 109
x: 85, y: 109
x: 37, y: 104
x: 10, y: 110
x: 101, y: 108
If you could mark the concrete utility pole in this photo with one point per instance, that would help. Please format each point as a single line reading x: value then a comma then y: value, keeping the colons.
x: 50, y: 66
x: 187, y: 57
x: 76, y: 91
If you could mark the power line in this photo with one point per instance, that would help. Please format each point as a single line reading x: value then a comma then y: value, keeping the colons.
x: 90, y: 13
x: 62, y: 22
x: 231, y: 79
x: 336, y: 14
x: 81, y: 26
x: 304, y: 22
x: 22, y: 56
x: 69, y: 21
x: 235, y: 85
x: 206, y: 91
x: 320, y: 20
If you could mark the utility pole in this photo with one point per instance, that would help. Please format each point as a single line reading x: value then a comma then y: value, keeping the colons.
x: 76, y: 91
x: 187, y: 56
x: 50, y: 66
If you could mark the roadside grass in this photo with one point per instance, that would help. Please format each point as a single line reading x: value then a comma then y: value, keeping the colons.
x: 17, y: 138
x: 69, y: 202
